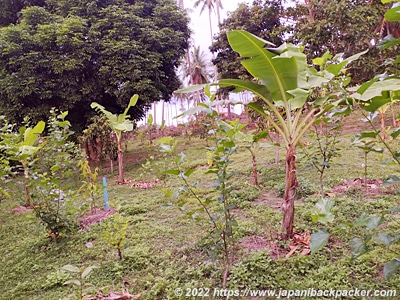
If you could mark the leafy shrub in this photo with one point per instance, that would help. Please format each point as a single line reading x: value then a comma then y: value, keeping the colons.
x: 131, y: 210
x: 305, y: 188
x: 56, y: 278
x: 245, y: 194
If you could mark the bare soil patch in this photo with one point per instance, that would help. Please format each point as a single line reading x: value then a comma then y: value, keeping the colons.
x: 94, y: 216
x: 270, y: 198
x: 361, y: 185
x: 19, y: 210
x: 254, y: 243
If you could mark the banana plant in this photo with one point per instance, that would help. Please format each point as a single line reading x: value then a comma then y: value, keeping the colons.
x: 118, y: 123
x: 23, y: 148
x: 287, y: 85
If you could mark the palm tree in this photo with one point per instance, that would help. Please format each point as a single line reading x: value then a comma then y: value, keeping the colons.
x: 197, y: 68
x: 210, y: 5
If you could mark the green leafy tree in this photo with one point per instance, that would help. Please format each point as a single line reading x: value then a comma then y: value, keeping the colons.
x: 286, y: 84
x: 68, y: 54
x: 262, y: 19
x: 346, y: 27
x: 118, y: 124
x: 10, y: 9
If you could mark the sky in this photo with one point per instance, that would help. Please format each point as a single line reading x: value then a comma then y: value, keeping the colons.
x: 201, y: 37
x: 200, y: 23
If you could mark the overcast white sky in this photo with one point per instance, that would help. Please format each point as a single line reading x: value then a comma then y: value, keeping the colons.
x: 200, y: 23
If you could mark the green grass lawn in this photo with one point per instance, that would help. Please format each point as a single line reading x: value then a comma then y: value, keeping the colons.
x: 165, y: 249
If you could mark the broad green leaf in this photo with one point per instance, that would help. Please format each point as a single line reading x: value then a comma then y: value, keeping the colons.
x: 392, y: 180
x: 194, y: 110
x: 87, y: 271
x: 395, y: 133
x: 362, y: 220
x: 316, y: 81
x: 361, y: 89
x: 335, y: 69
x: 162, y: 126
x: 262, y: 135
x: 389, y: 1
x: 125, y: 126
x: 132, y: 102
x: 374, y: 222
x: 355, y: 56
x: 113, y: 119
x: 358, y: 247
x: 71, y: 268
x: 385, y: 239
x: 393, y: 14
x: 300, y: 97
x: 388, y: 41
x: 319, y: 240
x: 73, y: 281
x: 391, y: 267
x: 242, y: 85
x: 258, y: 108
x: 319, y: 61
x: 189, y: 172
x: 191, y: 89
x: 323, y: 212
x: 377, y: 103
x: 172, y: 172
x: 278, y: 74
x: 376, y: 88
x: 32, y: 134
x: 367, y: 134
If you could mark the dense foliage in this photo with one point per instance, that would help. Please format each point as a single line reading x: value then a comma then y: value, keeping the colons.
x: 261, y: 19
x: 340, y: 27
x: 67, y: 54
x: 346, y: 27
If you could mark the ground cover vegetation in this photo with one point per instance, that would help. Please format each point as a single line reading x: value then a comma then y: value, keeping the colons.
x: 205, y: 212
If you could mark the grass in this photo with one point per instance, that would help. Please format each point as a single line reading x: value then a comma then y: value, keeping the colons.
x: 165, y: 249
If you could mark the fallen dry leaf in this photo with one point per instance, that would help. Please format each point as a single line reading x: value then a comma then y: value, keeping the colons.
x: 144, y: 185
x: 301, y: 241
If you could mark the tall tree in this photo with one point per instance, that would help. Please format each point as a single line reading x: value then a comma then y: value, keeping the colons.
x: 198, y: 69
x: 68, y: 54
x: 10, y: 9
x: 346, y: 26
x: 210, y: 5
x: 262, y: 18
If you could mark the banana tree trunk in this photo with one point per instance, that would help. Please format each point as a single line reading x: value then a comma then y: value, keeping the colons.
x: 254, y: 162
x: 290, y: 192
x: 120, y: 162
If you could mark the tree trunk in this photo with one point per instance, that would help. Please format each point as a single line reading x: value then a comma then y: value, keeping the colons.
x: 383, y: 130
x: 290, y: 192
x: 393, y: 114
x: 255, y: 175
x: 120, y: 163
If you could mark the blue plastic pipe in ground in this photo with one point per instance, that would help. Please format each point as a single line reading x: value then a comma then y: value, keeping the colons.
x: 105, y: 193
